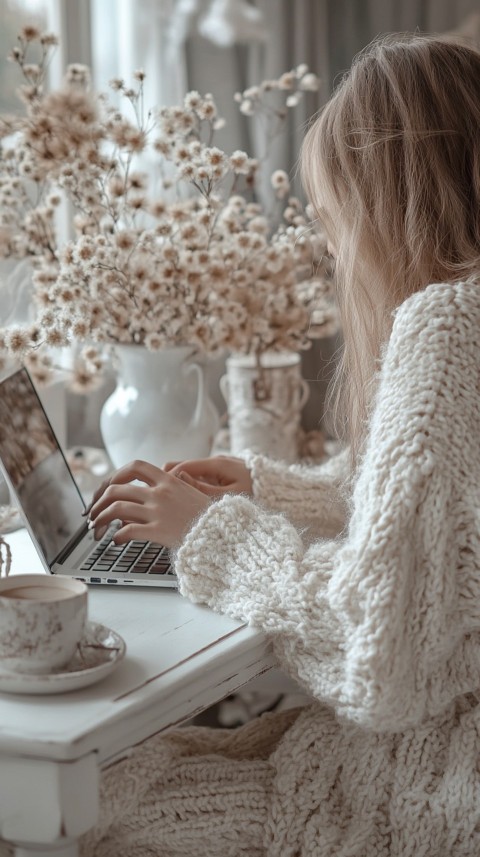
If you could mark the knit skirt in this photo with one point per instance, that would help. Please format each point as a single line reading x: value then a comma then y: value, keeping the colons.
x: 195, y: 791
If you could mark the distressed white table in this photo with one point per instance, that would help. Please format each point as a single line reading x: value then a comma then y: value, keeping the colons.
x: 181, y: 658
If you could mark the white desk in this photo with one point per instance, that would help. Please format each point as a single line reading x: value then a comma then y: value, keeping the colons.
x: 181, y: 658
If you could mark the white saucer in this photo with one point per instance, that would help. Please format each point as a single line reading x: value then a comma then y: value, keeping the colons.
x: 98, y: 654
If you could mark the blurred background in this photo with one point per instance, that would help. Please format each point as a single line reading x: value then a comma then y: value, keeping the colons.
x: 217, y: 46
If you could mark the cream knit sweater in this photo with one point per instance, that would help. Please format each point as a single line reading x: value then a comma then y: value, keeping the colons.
x: 379, y: 620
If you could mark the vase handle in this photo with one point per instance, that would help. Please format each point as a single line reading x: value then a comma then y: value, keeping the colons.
x: 224, y: 387
x: 304, y: 393
x: 198, y: 409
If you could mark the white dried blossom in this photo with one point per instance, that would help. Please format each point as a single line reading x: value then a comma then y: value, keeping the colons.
x: 83, y: 380
x: 246, y: 107
x: 294, y: 99
x: 259, y: 224
x: 16, y: 340
x: 78, y: 74
x: 214, y: 156
x: 310, y: 82
x: 269, y: 85
x: 49, y: 39
x: 162, y: 146
x: 301, y: 69
x: 55, y: 337
x: 192, y: 100
x: 207, y: 109
x: 30, y: 33
x: 159, y: 269
x: 287, y: 80
x: 252, y: 92
x: 154, y: 341
x: 32, y: 70
x: 80, y: 329
x: 187, y: 172
x: 239, y: 162
x: 280, y: 183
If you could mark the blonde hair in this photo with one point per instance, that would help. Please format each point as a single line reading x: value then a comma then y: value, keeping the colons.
x: 392, y: 169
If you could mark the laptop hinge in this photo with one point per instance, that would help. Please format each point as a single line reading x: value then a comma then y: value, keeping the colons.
x: 74, y: 541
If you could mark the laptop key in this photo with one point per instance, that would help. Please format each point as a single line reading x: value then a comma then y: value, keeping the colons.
x: 135, y: 556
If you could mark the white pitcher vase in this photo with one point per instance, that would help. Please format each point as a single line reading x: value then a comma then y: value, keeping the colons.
x: 160, y: 410
x: 265, y: 403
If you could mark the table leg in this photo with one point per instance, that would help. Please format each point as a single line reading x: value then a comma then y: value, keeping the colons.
x: 46, y: 806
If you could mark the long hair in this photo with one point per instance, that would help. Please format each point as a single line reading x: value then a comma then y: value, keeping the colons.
x: 392, y: 169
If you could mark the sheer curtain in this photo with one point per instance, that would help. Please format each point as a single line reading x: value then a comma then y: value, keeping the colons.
x: 353, y: 25
x: 222, y: 54
x: 137, y: 36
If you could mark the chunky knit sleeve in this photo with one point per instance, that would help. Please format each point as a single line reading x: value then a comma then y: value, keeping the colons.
x: 309, y: 495
x: 384, y: 623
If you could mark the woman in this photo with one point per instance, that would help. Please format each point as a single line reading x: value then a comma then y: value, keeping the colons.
x: 379, y: 618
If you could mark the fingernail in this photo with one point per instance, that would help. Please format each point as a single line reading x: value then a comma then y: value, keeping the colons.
x: 90, y: 524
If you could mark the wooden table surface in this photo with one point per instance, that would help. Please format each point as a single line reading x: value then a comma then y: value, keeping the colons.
x: 180, y: 659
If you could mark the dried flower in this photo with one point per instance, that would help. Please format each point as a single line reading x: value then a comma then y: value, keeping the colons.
x: 212, y: 270
x: 309, y: 82
x: 30, y: 33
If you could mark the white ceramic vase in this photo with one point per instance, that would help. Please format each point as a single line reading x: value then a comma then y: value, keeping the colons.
x: 160, y: 410
x: 265, y: 404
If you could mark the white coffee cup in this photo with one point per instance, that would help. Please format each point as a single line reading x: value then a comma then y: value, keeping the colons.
x: 42, y: 620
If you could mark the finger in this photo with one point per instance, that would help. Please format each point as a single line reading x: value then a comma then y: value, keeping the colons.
x: 132, y: 493
x: 96, y: 494
x: 132, y: 530
x: 204, y: 487
x: 141, y: 470
x: 170, y: 465
x: 120, y: 511
x: 199, y: 468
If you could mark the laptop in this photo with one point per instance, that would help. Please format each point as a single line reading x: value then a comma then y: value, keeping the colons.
x: 51, y: 502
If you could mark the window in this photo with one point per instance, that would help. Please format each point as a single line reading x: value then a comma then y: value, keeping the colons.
x: 15, y: 14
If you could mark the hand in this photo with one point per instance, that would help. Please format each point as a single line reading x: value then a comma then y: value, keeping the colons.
x: 214, y: 476
x: 162, y: 510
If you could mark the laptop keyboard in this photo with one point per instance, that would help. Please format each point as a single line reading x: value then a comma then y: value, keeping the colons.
x: 135, y: 556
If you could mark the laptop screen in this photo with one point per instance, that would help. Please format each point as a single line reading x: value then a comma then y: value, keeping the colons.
x: 36, y: 467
